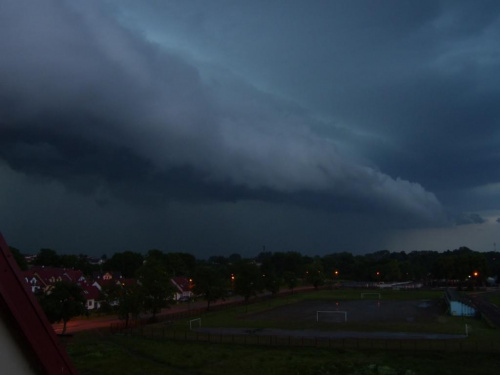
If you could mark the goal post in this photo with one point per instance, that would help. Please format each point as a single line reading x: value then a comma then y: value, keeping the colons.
x: 331, y: 312
x: 193, y: 322
x: 363, y: 295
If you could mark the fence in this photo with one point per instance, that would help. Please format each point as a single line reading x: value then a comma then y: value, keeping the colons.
x: 460, y: 345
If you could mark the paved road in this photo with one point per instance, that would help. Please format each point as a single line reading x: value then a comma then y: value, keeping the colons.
x: 96, y: 322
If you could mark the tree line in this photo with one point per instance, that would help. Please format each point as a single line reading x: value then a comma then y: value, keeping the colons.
x: 379, y: 266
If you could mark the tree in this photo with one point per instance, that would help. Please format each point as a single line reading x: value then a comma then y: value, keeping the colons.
x: 129, y: 300
x: 290, y: 280
x: 247, y: 280
x: 234, y: 258
x: 271, y: 283
x: 63, y: 302
x: 315, y: 274
x: 210, y: 282
x: 127, y: 263
x: 155, y: 285
x: 20, y: 260
x: 48, y: 258
x: 179, y: 264
x: 290, y: 261
x: 270, y: 278
x: 68, y: 261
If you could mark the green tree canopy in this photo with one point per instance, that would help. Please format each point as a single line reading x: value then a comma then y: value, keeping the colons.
x: 128, y: 301
x: 127, y: 263
x: 156, y: 285
x: 315, y: 274
x: 247, y: 279
x: 63, y: 302
x: 20, y: 260
x: 210, y: 282
x: 48, y: 258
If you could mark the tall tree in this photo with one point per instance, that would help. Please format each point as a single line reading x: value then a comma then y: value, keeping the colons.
x: 127, y: 263
x: 210, y: 282
x: 129, y: 300
x: 48, y: 258
x: 63, y: 302
x: 270, y: 278
x: 315, y: 274
x: 247, y: 280
x: 20, y: 260
x: 156, y: 286
x: 291, y: 280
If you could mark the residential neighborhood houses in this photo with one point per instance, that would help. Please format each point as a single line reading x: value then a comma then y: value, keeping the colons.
x: 41, y: 279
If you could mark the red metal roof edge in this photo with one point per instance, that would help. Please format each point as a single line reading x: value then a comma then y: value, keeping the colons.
x: 30, y: 318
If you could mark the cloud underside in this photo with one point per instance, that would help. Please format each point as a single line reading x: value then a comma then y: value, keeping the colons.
x: 89, y: 103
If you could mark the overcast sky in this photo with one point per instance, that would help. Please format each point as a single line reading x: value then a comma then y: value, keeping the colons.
x: 219, y: 127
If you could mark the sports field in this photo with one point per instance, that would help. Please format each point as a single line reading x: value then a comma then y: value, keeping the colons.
x: 344, y: 318
x: 362, y: 310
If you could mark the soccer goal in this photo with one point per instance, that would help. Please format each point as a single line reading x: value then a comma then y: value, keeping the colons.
x: 195, y: 322
x: 363, y: 295
x: 318, y: 313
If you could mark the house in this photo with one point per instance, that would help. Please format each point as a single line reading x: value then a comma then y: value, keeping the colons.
x: 459, y: 305
x: 92, y: 295
x: 107, y: 275
x: 106, y: 283
x: 182, y: 287
x: 28, y: 344
x: 42, y: 278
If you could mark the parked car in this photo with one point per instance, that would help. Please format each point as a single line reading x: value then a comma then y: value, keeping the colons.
x: 184, y: 299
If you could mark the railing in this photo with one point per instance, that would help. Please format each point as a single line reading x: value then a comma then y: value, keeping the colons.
x: 458, y: 345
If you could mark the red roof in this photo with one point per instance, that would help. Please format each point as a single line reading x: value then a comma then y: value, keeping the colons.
x: 91, y: 292
x: 28, y: 321
x: 50, y: 275
x: 121, y: 282
x: 181, y: 283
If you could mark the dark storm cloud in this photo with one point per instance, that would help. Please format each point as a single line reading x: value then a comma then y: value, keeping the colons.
x: 471, y: 218
x: 89, y: 102
x: 413, y: 79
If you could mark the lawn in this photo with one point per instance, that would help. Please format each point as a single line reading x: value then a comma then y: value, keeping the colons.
x: 94, y: 353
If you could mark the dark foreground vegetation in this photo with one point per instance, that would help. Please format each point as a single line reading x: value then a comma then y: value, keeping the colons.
x: 95, y: 353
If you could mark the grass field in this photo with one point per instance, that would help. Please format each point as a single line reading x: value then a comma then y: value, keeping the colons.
x: 103, y: 353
